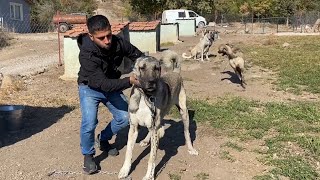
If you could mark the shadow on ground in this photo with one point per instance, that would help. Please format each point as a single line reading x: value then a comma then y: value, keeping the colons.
x: 35, y: 120
x: 233, y: 77
x: 172, y: 140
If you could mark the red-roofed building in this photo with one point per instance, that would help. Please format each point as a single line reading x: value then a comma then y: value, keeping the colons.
x: 145, y: 35
x: 71, y: 49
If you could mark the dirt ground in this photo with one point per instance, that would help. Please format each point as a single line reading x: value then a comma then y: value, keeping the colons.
x: 48, y: 145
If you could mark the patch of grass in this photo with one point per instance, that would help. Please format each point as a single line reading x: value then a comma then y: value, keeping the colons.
x: 226, y: 155
x: 202, y: 176
x: 294, y: 168
x: 167, y: 44
x: 233, y: 146
x: 263, y: 177
x: 296, y: 123
x: 174, y: 176
x: 297, y: 65
x: 187, y: 79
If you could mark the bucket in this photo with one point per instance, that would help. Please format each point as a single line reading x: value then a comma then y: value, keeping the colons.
x: 11, y: 117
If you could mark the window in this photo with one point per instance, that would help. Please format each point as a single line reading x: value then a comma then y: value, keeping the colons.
x: 182, y: 14
x: 192, y: 14
x: 16, y: 11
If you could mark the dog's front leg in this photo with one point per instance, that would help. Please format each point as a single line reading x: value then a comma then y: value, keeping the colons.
x: 182, y: 106
x: 153, y: 154
x: 154, y: 147
x: 202, y: 51
x: 207, y: 56
x: 132, y: 137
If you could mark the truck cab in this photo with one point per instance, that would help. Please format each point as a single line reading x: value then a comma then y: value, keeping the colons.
x: 171, y: 15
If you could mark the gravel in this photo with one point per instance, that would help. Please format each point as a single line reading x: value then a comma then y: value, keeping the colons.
x: 28, y: 65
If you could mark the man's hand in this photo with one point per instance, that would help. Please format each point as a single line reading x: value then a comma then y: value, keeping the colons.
x: 134, y: 80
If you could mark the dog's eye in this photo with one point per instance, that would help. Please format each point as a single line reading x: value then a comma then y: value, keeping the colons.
x: 143, y: 67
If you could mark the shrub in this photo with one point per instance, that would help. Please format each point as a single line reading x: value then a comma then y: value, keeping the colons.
x: 4, y: 39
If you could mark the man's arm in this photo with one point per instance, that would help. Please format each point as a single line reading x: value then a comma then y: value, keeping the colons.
x: 97, y: 79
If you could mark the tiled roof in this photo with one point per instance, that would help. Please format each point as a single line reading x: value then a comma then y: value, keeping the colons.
x: 82, y: 28
x: 143, y: 26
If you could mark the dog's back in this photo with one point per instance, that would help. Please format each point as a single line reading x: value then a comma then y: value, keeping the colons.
x: 170, y: 61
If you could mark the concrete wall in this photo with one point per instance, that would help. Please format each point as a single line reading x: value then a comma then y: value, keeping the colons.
x: 71, y: 59
x: 187, y: 27
x: 169, y: 33
x: 145, y: 40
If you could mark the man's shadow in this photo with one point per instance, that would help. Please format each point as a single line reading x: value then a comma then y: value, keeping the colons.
x: 170, y: 142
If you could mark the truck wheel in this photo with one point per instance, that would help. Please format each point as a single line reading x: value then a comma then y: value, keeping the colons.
x: 63, y: 27
x: 201, y: 24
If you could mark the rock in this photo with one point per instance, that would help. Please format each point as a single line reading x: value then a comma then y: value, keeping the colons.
x: 6, y: 82
x: 285, y: 45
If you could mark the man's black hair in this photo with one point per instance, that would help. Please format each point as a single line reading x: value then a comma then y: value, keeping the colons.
x: 98, y: 23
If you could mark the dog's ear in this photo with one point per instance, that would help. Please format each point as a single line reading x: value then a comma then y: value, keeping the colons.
x: 135, y: 69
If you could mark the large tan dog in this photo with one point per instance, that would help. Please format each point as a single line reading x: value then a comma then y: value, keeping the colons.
x: 236, y: 62
x: 150, y: 102
x: 202, y: 48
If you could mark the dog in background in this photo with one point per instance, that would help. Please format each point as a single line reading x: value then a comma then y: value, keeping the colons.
x: 236, y: 62
x: 202, y: 48
x: 151, y: 101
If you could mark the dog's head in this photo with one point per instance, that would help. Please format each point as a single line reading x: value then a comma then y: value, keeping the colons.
x: 148, y: 71
x: 224, y: 49
x: 214, y: 35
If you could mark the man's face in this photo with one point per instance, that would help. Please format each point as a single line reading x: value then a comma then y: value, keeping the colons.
x: 102, y: 38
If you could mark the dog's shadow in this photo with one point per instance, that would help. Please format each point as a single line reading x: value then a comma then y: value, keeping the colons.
x: 212, y: 55
x: 233, y: 77
x: 170, y: 142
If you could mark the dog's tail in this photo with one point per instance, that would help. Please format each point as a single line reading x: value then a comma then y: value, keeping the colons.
x: 171, y: 61
x: 184, y: 55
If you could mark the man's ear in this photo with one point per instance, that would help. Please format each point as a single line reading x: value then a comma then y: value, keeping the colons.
x: 91, y: 37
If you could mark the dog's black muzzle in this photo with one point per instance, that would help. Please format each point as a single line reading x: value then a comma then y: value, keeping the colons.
x: 149, y: 86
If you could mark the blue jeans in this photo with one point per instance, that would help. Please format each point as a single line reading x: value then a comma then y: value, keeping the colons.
x: 89, y: 102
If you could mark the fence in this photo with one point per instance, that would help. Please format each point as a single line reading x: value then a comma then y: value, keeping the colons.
x: 23, y: 25
x: 268, y: 25
x: 306, y: 22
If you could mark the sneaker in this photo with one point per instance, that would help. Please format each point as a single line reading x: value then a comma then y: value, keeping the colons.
x: 89, y: 165
x: 105, y: 146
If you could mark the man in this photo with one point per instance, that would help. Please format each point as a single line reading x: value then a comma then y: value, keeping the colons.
x: 101, y: 53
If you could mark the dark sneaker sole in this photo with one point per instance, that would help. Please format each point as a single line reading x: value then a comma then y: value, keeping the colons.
x: 89, y: 172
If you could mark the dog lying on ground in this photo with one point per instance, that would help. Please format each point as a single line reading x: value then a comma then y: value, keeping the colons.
x: 236, y: 62
x: 202, y: 48
x: 150, y: 102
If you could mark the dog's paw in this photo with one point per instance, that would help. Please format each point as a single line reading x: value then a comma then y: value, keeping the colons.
x: 124, y: 171
x: 144, y: 143
x: 148, y: 178
x: 193, y: 152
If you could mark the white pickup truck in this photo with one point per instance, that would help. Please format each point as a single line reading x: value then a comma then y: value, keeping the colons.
x: 171, y: 15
